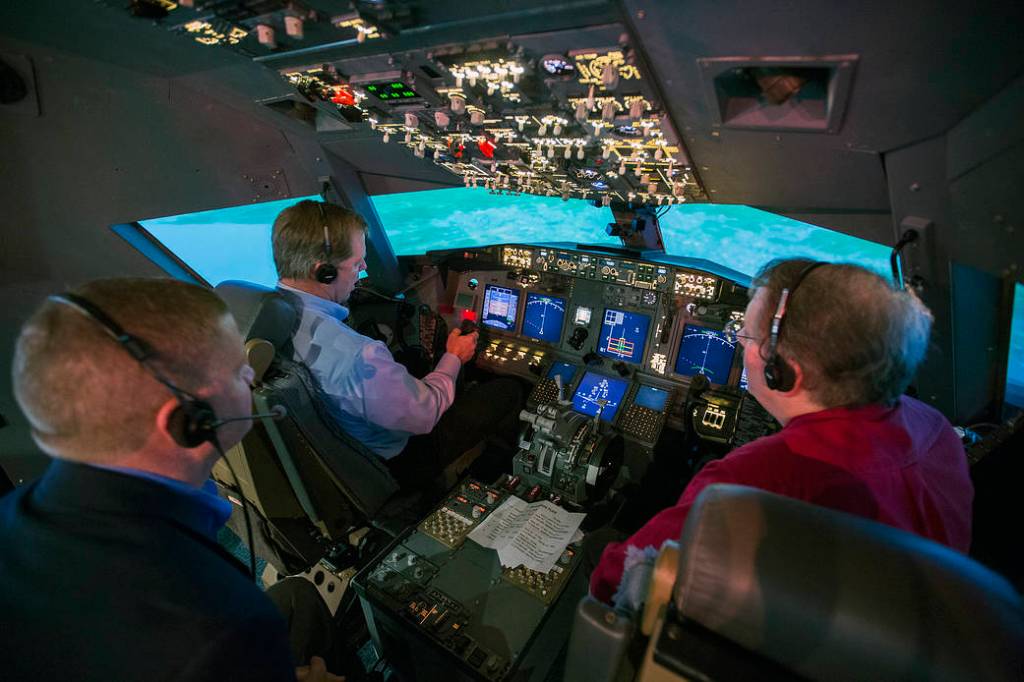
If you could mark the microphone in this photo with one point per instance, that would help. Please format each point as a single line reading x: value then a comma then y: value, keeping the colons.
x: 277, y: 412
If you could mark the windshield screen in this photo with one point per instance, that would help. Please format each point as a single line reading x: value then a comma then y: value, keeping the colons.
x: 1015, y: 361
x: 234, y: 242
x: 739, y: 237
x: 225, y: 243
x: 417, y: 222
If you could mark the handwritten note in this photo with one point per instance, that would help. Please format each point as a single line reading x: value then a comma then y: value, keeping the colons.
x: 532, y: 534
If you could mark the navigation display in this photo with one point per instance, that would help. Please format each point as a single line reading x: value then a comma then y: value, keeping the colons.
x: 595, y: 387
x: 705, y: 351
x: 623, y: 335
x: 564, y: 370
x: 652, y: 398
x: 542, y: 317
x: 500, y: 307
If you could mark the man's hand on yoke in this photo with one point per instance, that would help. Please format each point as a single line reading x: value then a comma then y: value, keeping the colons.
x: 462, y: 345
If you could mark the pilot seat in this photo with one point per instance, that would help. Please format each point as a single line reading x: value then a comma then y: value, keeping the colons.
x: 318, y: 491
x: 765, y: 587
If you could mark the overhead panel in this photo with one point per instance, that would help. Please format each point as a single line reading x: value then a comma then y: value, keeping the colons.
x: 564, y: 107
x: 521, y: 114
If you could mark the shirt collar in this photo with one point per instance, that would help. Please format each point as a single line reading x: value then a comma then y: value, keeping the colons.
x: 212, y: 511
x: 867, y: 412
x: 321, y: 305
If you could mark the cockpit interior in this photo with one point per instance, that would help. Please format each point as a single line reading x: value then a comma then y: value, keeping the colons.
x: 591, y: 186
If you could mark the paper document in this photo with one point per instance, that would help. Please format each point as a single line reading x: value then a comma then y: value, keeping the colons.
x: 532, y: 534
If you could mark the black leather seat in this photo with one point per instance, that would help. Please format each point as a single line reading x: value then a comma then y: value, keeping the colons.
x: 312, y: 483
x: 791, y: 590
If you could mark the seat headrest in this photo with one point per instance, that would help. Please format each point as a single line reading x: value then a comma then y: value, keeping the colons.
x: 834, y: 596
x: 260, y: 312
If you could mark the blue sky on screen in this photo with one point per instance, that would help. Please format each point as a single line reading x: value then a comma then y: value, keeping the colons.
x: 459, y: 217
x: 745, y: 238
x: 225, y: 243
x: 1015, y: 366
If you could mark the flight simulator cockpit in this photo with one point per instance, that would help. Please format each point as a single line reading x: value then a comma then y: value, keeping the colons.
x: 591, y: 186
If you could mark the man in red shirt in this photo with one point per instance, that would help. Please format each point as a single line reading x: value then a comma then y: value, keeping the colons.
x: 830, y: 362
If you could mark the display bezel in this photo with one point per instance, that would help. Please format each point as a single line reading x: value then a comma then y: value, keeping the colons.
x: 626, y: 386
x: 735, y: 366
x: 565, y: 314
x: 516, y: 322
x: 664, y: 404
x: 646, y: 338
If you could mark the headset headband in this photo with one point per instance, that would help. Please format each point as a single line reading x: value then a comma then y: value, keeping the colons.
x: 141, y: 351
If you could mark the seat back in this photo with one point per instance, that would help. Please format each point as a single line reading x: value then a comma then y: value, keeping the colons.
x: 831, y: 596
x: 775, y: 588
x: 310, y: 480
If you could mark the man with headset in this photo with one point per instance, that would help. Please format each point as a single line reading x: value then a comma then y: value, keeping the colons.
x: 110, y: 568
x: 319, y: 253
x: 829, y: 350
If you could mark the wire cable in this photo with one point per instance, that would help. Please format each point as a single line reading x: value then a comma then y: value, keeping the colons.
x: 245, y: 508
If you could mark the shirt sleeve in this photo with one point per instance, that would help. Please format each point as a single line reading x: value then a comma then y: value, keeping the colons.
x: 665, y: 525
x: 394, y: 399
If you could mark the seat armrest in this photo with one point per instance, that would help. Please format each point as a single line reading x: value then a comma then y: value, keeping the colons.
x: 598, y: 644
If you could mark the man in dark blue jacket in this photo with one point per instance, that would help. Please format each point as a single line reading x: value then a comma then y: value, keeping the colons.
x: 109, y: 564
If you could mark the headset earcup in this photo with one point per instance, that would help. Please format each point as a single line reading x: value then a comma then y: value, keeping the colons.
x: 326, y: 273
x: 191, y: 424
x: 778, y: 375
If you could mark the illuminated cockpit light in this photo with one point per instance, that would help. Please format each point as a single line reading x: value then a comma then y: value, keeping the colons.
x: 557, y: 65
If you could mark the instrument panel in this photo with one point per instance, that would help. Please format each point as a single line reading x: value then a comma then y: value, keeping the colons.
x: 619, y: 338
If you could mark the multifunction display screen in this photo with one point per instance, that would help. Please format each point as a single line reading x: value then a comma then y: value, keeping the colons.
x: 595, y: 389
x: 542, y: 317
x: 564, y: 370
x: 651, y: 398
x: 623, y: 335
x: 706, y: 351
x: 500, y: 307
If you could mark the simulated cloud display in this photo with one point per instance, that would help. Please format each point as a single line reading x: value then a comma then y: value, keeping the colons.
x: 1015, y: 362
x: 746, y: 238
x: 234, y: 243
x: 225, y: 243
x: 417, y: 222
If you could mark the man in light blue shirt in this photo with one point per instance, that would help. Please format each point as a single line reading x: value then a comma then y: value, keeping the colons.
x: 319, y: 252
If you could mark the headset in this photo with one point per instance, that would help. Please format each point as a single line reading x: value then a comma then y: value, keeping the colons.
x: 194, y: 422
x: 327, y: 271
x: 779, y: 374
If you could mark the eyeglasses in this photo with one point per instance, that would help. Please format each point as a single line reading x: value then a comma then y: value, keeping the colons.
x: 733, y: 332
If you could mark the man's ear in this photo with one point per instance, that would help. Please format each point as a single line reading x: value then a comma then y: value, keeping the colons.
x: 799, y: 378
x: 170, y: 421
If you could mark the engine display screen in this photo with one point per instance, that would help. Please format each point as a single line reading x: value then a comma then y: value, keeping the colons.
x: 705, y: 351
x: 623, y: 335
x: 542, y: 317
x: 652, y: 398
x: 500, y: 307
x: 391, y: 90
x: 595, y: 388
x: 564, y: 370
